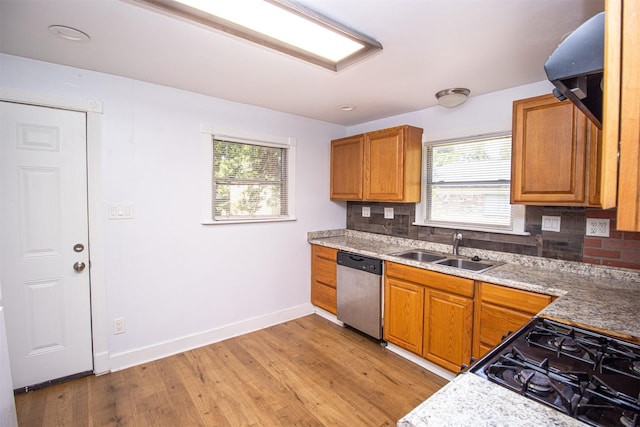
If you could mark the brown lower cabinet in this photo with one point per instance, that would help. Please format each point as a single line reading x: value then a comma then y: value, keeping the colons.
x: 429, y: 313
x: 445, y: 319
x: 500, y: 310
x: 323, y: 277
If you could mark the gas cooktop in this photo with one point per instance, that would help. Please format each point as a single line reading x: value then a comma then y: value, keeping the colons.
x: 587, y: 375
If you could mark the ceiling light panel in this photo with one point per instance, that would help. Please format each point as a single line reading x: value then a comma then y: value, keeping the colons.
x: 282, y: 25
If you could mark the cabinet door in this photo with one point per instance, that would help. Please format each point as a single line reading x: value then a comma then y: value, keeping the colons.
x: 549, y: 152
x: 500, y: 309
x: 496, y: 322
x: 347, y: 161
x: 403, y: 314
x: 448, y: 322
x: 323, y: 278
x: 384, y: 165
x: 629, y: 176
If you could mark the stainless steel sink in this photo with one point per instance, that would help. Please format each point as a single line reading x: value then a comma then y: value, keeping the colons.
x: 442, y: 259
x: 422, y: 256
x: 466, y: 264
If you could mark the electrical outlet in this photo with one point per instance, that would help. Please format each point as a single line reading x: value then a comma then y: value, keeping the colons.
x: 388, y: 213
x: 551, y: 223
x: 598, y: 227
x: 118, y: 326
x: 366, y: 211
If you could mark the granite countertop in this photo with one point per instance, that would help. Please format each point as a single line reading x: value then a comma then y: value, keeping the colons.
x: 470, y: 400
x: 594, y: 297
x: 590, y: 296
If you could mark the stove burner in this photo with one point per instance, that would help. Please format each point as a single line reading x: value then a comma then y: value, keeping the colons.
x: 628, y: 419
x: 589, y: 376
x: 565, y: 344
x: 535, y: 381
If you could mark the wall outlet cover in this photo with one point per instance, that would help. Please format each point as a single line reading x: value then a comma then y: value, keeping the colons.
x: 551, y: 223
x: 598, y: 227
x: 118, y: 326
x: 388, y: 213
x: 366, y: 211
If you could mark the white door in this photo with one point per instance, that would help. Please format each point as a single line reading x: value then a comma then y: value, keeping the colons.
x: 44, y: 252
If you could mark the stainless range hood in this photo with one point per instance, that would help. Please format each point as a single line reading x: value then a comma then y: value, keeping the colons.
x: 576, y: 68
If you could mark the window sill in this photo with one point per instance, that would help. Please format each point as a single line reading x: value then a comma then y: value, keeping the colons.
x: 471, y: 228
x: 246, y: 221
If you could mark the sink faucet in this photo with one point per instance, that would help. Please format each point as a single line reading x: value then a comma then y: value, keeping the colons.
x: 456, y: 241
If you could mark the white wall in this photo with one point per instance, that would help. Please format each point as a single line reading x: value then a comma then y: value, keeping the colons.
x: 170, y: 277
x: 479, y: 115
x: 175, y: 281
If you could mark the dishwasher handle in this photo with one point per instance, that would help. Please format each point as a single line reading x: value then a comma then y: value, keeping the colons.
x: 359, y: 262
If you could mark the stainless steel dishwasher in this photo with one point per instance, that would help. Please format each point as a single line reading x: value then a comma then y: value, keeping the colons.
x: 359, y: 289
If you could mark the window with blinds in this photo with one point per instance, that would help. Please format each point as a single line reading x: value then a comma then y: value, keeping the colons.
x: 467, y: 184
x: 249, y: 181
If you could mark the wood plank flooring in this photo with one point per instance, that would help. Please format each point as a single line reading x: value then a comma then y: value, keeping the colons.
x: 306, y: 372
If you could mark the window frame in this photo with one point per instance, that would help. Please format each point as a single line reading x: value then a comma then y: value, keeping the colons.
x: 207, y: 135
x: 517, y: 211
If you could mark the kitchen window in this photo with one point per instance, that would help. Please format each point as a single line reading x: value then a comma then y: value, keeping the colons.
x: 466, y: 185
x: 247, y: 178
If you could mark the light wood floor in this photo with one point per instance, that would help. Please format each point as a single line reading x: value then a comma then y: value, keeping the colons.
x: 306, y: 372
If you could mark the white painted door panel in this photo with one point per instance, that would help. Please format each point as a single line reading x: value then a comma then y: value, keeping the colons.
x: 43, y: 214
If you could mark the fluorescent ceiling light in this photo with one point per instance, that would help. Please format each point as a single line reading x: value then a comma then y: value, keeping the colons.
x: 279, y: 24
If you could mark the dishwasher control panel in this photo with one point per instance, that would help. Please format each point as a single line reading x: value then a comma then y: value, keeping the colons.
x: 360, y: 262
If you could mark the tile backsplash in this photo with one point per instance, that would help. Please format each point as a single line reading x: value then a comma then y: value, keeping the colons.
x: 620, y: 249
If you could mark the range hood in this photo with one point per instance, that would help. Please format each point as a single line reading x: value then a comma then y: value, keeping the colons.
x: 576, y: 68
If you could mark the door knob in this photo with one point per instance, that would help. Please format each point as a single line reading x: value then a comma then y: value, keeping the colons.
x: 78, y: 266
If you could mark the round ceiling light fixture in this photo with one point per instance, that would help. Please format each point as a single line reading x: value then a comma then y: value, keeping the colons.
x: 452, y: 97
x: 68, y: 33
x: 347, y: 107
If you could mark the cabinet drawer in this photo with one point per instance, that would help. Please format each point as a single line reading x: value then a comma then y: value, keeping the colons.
x: 498, y: 321
x: 323, y: 252
x: 431, y: 279
x: 526, y: 301
x: 324, y: 297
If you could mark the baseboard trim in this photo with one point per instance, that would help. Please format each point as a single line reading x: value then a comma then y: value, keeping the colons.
x: 158, y: 351
x: 441, y: 372
x: 328, y: 315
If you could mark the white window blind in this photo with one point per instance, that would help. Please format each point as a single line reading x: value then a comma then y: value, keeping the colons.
x: 468, y: 183
x: 249, y: 181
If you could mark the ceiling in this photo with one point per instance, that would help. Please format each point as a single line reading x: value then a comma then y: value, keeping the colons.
x: 428, y: 45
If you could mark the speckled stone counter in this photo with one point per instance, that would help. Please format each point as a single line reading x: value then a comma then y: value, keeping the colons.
x: 604, y: 299
x: 469, y: 400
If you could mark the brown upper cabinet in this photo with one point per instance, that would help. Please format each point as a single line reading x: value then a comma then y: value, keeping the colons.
x: 555, y: 154
x: 379, y: 166
x: 621, y: 112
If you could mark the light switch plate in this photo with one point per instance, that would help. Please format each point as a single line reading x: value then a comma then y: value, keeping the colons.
x: 388, y: 213
x: 598, y: 227
x: 551, y: 223
x: 366, y: 211
x: 120, y: 211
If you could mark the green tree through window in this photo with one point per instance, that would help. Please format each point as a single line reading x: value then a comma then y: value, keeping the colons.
x: 249, y: 180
